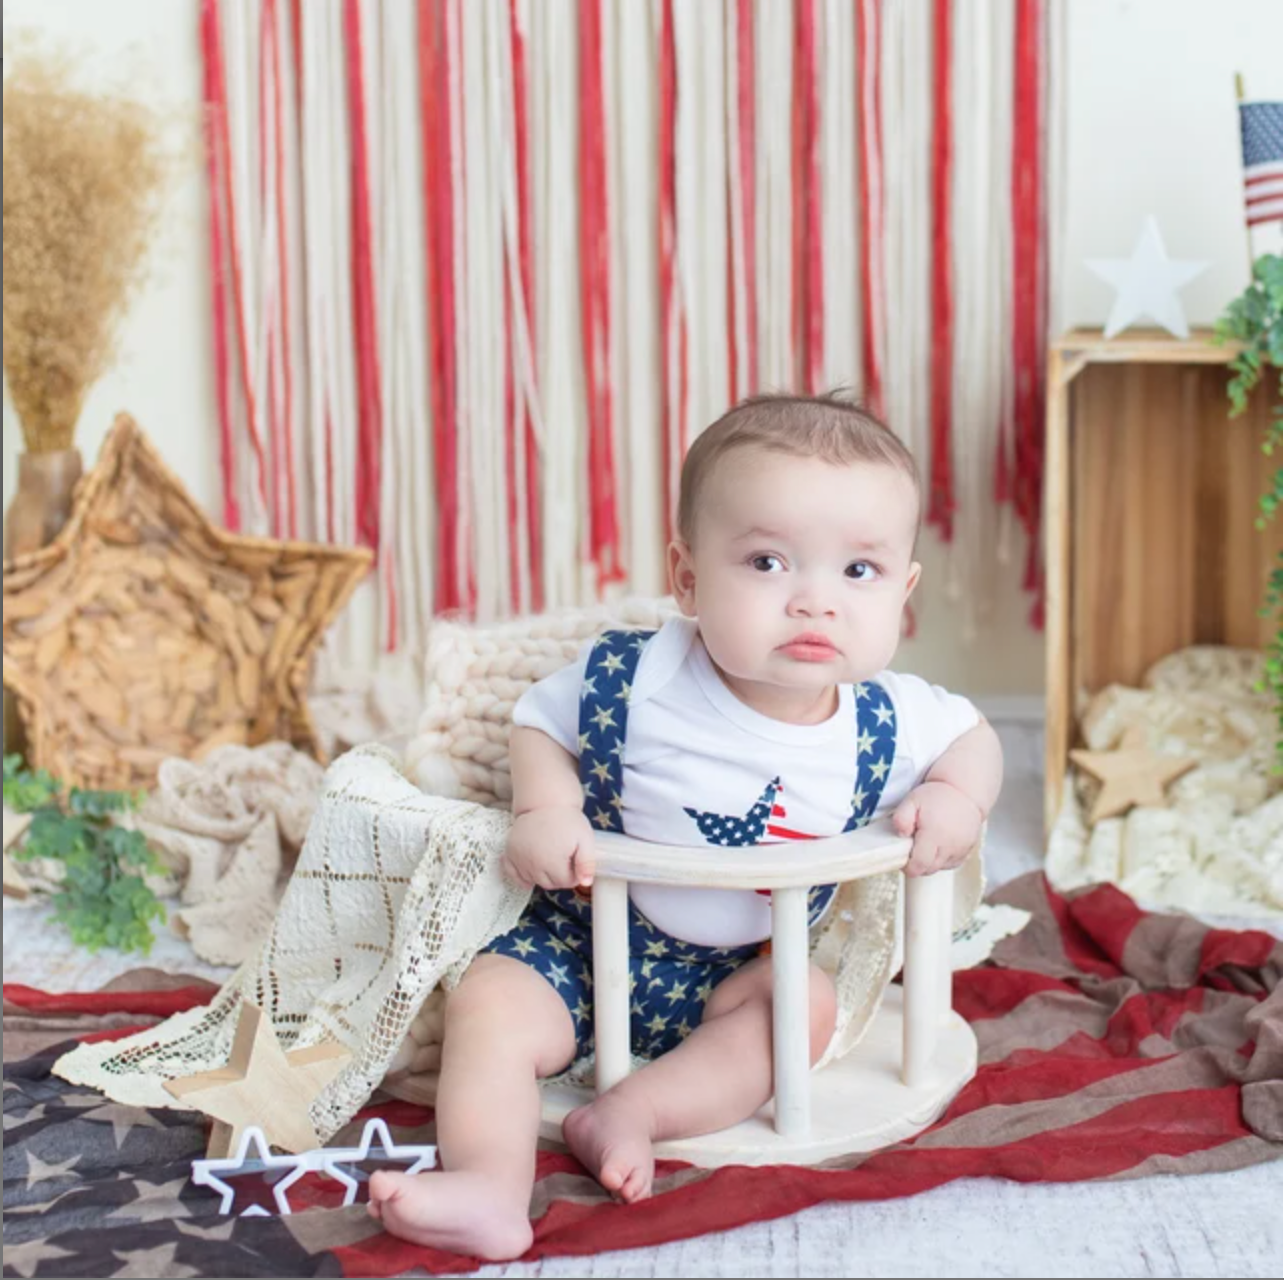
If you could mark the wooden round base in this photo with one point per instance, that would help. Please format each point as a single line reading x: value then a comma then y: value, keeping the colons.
x: 858, y: 1103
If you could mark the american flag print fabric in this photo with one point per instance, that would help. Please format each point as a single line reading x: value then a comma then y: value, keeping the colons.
x: 1261, y: 129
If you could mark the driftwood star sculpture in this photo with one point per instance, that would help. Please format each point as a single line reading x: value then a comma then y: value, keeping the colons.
x: 1130, y: 775
x: 262, y: 1086
x: 143, y: 631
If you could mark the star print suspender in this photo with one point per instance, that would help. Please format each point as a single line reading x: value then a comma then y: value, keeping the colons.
x: 875, y: 750
x: 604, y: 719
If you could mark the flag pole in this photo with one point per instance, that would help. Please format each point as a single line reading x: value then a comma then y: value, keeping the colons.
x: 1248, y: 230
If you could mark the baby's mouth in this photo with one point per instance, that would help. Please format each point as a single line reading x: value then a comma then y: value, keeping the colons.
x: 811, y: 646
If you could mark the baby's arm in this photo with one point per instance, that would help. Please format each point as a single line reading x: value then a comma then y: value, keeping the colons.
x: 550, y: 843
x: 946, y: 811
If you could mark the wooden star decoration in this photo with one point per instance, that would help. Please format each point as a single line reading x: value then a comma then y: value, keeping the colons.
x: 1130, y: 775
x: 261, y: 1087
x: 144, y: 631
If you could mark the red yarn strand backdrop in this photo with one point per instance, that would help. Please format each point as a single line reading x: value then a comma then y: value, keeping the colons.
x: 1029, y: 288
x: 435, y: 113
x: 369, y: 410
x: 940, y: 489
x: 595, y: 294
x: 215, y: 164
x: 745, y: 98
x: 670, y: 322
x: 534, y: 536
x: 869, y: 160
x: 809, y: 302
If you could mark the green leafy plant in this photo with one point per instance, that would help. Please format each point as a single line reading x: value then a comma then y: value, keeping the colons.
x: 102, y: 899
x: 1254, y: 319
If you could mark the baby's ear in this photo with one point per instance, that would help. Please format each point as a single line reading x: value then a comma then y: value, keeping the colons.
x: 682, y: 579
x: 915, y: 570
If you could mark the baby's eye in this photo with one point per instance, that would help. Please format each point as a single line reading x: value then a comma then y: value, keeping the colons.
x: 767, y: 564
x: 862, y: 571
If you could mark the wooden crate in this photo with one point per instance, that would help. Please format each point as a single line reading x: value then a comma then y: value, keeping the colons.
x: 1150, y: 501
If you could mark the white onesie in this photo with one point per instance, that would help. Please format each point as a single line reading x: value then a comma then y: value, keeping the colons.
x: 694, y: 750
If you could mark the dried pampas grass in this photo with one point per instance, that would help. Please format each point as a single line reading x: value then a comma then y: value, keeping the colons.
x: 85, y: 176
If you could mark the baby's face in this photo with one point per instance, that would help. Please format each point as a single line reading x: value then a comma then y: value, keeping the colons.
x: 800, y: 568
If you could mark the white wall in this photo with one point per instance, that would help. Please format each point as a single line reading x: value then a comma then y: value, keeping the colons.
x: 1151, y: 128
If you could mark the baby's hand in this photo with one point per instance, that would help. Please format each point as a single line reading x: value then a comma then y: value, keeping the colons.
x: 551, y: 848
x: 945, y: 824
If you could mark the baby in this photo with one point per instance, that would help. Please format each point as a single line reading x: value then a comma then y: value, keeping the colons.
x: 765, y: 712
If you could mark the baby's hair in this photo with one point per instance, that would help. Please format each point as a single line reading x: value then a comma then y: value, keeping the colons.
x: 828, y: 426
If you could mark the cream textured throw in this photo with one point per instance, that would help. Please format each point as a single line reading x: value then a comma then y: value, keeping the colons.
x: 1216, y: 847
x: 396, y: 890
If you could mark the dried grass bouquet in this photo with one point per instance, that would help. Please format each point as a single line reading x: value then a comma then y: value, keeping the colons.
x: 85, y: 177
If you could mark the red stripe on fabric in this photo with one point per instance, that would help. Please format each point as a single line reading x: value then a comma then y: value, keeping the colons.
x: 435, y: 117
x: 807, y: 232
x: 666, y: 235
x: 214, y: 163
x: 595, y: 291
x: 365, y: 331
x: 869, y: 165
x: 1031, y: 1075
x: 940, y: 496
x: 980, y: 994
x: 534, y: 537
x: 1023, y: 484
x: 1248, y: 949
x: 1108, y: 916
x: 219, y: 86
x: 1149, y: 1013
x: 1262, y: 218
x: 1079, y: 947
x: 1258, y: 179
x: 785, y: 833
x: 159, y: 1004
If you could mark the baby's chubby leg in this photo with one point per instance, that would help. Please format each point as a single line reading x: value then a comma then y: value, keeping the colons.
x: 719, y: 1075
x: 505, y: 1028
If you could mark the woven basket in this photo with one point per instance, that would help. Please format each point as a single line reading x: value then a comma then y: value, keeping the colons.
x: 142, y: 631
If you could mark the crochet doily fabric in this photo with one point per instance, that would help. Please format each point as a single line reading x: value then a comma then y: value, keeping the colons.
x: 1216, y: 848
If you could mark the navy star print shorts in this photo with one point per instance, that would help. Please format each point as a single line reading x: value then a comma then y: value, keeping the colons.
x: 669, y: 980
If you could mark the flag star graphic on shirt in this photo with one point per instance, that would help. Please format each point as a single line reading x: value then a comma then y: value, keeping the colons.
x: 721, y: 829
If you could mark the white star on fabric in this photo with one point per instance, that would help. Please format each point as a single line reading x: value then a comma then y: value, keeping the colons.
x: 558, y: 946
x: 523, y: 946
x: 1147, y: 283
x: 25, y: 1258
x: 602, y: 818
x: 587, y: 788
x: 558, y: 974
x: 601, y: 771
x: 884, y: 714
x: 39, y: 1171
x: 636, y: 1010
x: 864, y: 743
x: 604, y: 718
x: 859, y: 798
x: 625, y: 690
x: 655, y: 949
x: 150, y: 1262
x: 618, y: 748
x: 612, y: 662
x: 657, y: 1024
x: 878, y: 769
x: 676, y: 992
x: 616, y: 802
x: 584, y: 741
x: 589, y: 685
x: 862, y: 691
x: 582, y: 1011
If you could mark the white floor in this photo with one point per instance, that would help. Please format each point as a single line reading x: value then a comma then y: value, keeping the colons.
x: 1221, y: 1225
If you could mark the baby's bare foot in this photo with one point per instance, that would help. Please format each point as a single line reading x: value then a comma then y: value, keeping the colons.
x: 613, y: 1141
x: 469, y: 1213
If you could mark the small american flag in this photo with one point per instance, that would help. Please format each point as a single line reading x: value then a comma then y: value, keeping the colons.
x: 1261, y: 127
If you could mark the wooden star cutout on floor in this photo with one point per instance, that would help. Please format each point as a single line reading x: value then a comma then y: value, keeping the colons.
x: 261, y: 1086
x: 144, y: 631
x: 1130, y: 775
